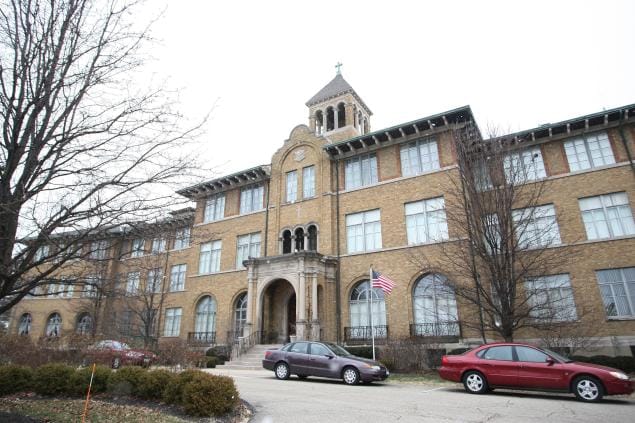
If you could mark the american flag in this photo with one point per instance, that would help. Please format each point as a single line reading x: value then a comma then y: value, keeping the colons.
x: 383, y: 282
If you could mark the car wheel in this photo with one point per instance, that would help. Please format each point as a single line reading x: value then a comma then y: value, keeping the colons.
x: 116, y: 363
x: 302, y: 377
x: 475, y: 383
x: 350, y: 376
x: 587, y: 388
x: 282, y: 371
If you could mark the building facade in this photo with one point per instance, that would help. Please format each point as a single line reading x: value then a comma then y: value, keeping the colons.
x: 283, y: 250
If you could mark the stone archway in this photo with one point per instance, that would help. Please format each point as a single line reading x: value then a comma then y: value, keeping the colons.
x: 278, y: 312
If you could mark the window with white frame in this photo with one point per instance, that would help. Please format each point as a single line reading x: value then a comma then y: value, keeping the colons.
x: 91, y: 286
x: 248, y: 246
x: 618, y: 291
x: 589, y: 151
x: 158, y: 245
x: 536, y: 226
x: 205, y: 322
x: 177, y: 277
x: 132, y: 283
x: 308, y: 182
x: 492, y: 240
x: 607, y: 216
x: 426, y: 221
x: 361, y: 309
x: 84, y: 324
x: 524, y: 165
x: 98, y: 249
x: 251, y: 199
x: 182, y: 238
x: 363, y: 231
x: 292, y: 186
x: 137, y: 247
x: 434, y: 307
x: 54, y: 325
x: 419, y: 156
x: 24, y: 327
x: 41, y: 253
x: 360, y: 171
x: 67, y: 289
x: 172, y: 321
x: 214, y: 208
x: 550, y: 298
x: 209, y: 259
x: 481, y: 175
x: 154, y: 280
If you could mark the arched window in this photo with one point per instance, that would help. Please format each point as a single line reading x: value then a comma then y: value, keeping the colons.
x: 330, y: 119
x: 354, y: 116
x: 286, y: 242
x: 240, y: 315
x: 341, y: 115
x: 312, y: 230
x: 25, y: 324
x: 319, y: 122
x: 205, y: 323
x: 54, y: 325
x: 360, y: 306
x: 84, y: 324
x: 299, y: 239
x: 434, y: 305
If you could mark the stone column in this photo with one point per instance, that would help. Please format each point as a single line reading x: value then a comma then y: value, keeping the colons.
x: 250, y: 298
x: 315, y: 323
x: 306, y: 241
x: 300, y: 324
x: 312, y: 122
x: 335, y: 120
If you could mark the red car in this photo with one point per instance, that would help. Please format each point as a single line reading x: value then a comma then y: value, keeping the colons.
x: 522, y: 366
x: 116, y: 354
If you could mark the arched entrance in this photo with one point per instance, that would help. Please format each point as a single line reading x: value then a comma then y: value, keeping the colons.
x: 278, y: 312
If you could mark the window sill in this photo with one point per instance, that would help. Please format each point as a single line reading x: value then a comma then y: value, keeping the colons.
x: 620, y: 319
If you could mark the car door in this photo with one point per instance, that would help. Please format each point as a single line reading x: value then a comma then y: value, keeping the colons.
x: 534, y: 371
x: 298, y: 358
x: 320, y: 360
x: 499, y: 366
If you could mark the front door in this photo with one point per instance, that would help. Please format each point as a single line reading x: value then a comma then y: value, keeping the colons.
x: 320, y: 360
x: 535, y: 372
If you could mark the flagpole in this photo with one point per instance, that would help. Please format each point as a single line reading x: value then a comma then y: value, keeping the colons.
x: 370, y: 301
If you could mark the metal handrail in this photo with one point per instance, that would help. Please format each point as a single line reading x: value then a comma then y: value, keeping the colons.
x: 438, y: 329
x: 243, y: 343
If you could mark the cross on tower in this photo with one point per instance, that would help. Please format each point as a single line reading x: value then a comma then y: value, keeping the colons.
x: 338, y: 66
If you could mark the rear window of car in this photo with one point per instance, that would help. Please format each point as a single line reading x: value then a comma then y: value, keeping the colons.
x: 300, y: 347
x: 503, y: 353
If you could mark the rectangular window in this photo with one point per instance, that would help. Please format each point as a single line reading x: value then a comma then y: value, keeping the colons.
x: 524, y: 165
x: 172, y: 322
x: 589, y: 151
x: 419, y: 156
x: 426, y: 222
x: 214, y: 208
x: 248, y: 246
x: 154, y: 281
x: 53, y: 290
x: 607, y: 216
x: 177, y: 277
x: 618, y: 291
x: 363, y: 231
x: 360, y: 171
x: 92, y: 284
x: 132, y: 283
x: 67, y: 290
x: 137, y: 247
x: 98, y: 249
x: 550, y: 298
x: 158, y: 245
x: 125, y: 325
x: 251, y: 198
x: 209, y: 260
x: 292, y: 186
x: 308, y: 182
x: 182, y: 238
x: 536, y: 226
x: 481, y: 174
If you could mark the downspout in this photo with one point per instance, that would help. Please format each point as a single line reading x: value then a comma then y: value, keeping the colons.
x: 267, y: 216
x: 624, y: 141
x: 338, y: 303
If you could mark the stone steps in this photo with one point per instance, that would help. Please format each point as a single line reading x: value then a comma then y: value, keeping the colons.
x: 251, y: 360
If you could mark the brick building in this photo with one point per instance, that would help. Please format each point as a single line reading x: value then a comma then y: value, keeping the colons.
x: 283, y: 250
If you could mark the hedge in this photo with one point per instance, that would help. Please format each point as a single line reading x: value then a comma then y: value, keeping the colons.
x: 209, y: 395
x: 53, y: 379
x: 15, y: 379
x: 624, y: 363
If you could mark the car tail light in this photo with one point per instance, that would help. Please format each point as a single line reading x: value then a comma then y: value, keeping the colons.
x: 267, y: 354
x: 444, y: 360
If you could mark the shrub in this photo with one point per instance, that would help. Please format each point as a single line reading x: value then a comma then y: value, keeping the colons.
x: 52, y: 379
x: 211, y: 362
x: 209, y: 395
x: 125, y: 381
x: 366, y: 352
x: 173, y: 393
x: 624, y: 363
x: 80, y: 380
x: 221, y: 353
x: 15, y: 379
x: 152, y: 384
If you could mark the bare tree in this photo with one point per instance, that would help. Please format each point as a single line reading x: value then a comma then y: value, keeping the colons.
x: 85, y: 145
x: 507, y: 237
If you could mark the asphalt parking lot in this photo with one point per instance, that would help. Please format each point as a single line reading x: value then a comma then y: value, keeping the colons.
x: 322, y: 400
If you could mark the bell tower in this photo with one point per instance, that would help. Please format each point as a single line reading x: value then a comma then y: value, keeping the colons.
x: 337, y: 112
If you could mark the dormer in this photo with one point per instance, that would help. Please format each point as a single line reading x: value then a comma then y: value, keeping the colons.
x: 337, y: 112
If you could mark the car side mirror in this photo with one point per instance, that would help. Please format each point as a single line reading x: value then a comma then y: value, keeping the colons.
x: 329, y: 356
x: 550, y: 361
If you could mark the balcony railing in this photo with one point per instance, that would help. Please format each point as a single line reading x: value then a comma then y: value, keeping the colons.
x: 436, y: 330
x: 201, y: 338
x: 361, y: 335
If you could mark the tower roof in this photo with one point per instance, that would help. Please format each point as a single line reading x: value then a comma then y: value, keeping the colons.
x: 335, y: 88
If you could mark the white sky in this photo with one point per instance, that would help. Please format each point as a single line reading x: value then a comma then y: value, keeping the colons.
x: 517, y: 64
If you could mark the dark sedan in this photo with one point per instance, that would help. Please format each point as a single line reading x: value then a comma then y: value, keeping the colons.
x: 323, y: 359
x: 521, y: 366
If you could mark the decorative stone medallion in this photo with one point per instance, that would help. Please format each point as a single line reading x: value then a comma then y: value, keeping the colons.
x: 299, y: 155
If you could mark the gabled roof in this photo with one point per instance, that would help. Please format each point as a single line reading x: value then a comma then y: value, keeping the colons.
x: 335, y: 88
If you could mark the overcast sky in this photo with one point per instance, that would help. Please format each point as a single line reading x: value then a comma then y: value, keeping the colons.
x: 517, y: 64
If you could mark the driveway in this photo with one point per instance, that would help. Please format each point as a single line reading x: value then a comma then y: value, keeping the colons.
x: 322, y: 400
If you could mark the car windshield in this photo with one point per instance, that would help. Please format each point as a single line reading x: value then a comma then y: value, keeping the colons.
x: 558, y: 356
x: 339, y: 351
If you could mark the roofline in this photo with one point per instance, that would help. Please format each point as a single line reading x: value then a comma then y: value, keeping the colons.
x: 243, y: 177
